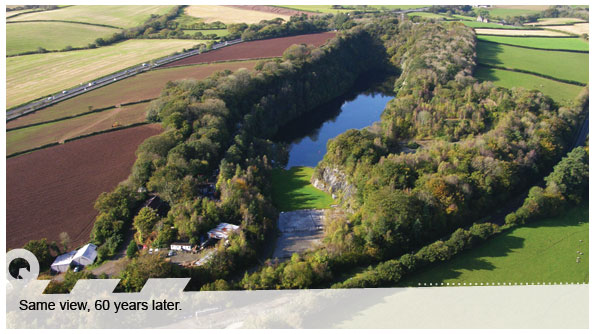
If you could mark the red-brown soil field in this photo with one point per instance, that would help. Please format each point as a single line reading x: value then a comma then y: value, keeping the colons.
x: 273, y: 9
x: 267, y: 48
x: 140, y: 87
x: 53, y: 190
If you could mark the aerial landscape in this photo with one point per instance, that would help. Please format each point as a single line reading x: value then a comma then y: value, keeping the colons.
x: 299, y: 146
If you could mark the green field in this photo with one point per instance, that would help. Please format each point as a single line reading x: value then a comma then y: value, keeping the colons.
x: 218, y: 32
x: 543, y: 251
x: 428, y: 15
x: 52, y: 36
x: 561, y: 92
x: 557, y: 64
x: 577, y: 44
x: 117, y: 16
x: 329, y: 9
x: 36, y: 136
x: 32, y: 76
x: 504, y: 12
x: 144, y: 86
x: 292, y: 190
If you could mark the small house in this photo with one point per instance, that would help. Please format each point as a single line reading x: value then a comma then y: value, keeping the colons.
x: 181, y: 246
x: 482, y: 19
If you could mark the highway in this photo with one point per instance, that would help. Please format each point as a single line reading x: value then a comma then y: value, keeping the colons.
x: 103, y: 81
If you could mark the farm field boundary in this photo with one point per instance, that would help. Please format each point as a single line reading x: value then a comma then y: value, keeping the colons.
x: 66, y: 21
x: 535, y: 48
x: 560, y: 92
x: 142, y: 87
x: 572, y: 82
x: 124, y: 127
x: 77, y: 115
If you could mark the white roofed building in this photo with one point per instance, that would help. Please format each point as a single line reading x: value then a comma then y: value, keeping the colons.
x: 222, y: 231
x: 85, y: 256
x: 62, y: 262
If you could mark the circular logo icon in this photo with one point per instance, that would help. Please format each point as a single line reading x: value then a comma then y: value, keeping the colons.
x: 24, y: 274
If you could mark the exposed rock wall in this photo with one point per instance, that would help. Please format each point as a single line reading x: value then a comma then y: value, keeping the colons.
x: 334, y: 181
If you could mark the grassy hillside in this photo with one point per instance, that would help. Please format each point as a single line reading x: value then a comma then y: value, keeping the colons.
x: 292, y: 190
x: 117, y: 16
x: 32, y: 76
x: 557, y: 64
x: 29, y: 36
x: 561, y: 92
x: 544, y: 251
x: 578, y: 44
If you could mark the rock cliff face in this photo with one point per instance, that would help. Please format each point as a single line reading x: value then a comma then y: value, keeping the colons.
x: 334, y: 182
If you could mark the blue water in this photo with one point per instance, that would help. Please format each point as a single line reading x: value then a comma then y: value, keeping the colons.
x: 308, y: 146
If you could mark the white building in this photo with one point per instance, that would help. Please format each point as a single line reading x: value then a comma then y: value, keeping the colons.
x: 85, y: 256
x: 62, y: 262
x: 222, y: 231
x: 179, y: 246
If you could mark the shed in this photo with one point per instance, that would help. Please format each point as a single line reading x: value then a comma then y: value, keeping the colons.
x: 62, y: 262
x: 86, y: 255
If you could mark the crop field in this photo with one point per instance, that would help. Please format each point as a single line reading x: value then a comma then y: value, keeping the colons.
x: 116, y: 16
x: 140, y: 87
x: 53, y: 190
x: 556, y: 64
x: 292, y: 190
x: 577, y: 29
x: 554, y: 20
x: 29, y: 36
x: 32, y: 76
x: 577, y: 44
x: 544, y: 251
x: 227, y: 14
x: 255, y: 49
x: 518, y: 32
x: 559, y: 91
x: 38, y: 135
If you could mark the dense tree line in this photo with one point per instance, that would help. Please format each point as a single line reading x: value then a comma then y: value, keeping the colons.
x: 566, y: 185
x: 219, y: 129
x: 404, y: 201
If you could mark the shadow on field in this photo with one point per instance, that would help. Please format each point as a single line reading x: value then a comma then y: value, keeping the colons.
x: 440, y: 272
x: 487, y: 53
x: 289, y: 189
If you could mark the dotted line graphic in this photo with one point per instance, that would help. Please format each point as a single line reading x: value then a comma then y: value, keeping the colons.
x: 499, y: 283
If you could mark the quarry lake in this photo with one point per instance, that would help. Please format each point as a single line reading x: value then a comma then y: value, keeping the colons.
x: 309, y: 135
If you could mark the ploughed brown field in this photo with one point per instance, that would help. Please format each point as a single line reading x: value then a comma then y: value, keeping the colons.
x: 255, y: 49
x: 53, y: 190
x: 273, y: 9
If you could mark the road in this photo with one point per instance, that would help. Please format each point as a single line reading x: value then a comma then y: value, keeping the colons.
x: 88, y: 86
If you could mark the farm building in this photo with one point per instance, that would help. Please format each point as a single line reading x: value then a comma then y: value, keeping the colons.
x: 85, y: 256
x: 62, y: 262
x: 181, y: 246
x: 222, y: 231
